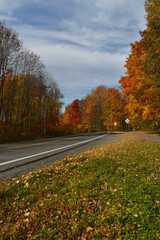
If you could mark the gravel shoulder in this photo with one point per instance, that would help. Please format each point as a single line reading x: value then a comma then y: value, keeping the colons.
x: 140, y: 135
x: 129, y: 136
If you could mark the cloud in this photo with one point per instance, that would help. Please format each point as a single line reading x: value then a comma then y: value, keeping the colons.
x: 78, y: 70
x: 8, y: 6
x: 67, y: 51
x: 83, y: 43
x: 75, y: 58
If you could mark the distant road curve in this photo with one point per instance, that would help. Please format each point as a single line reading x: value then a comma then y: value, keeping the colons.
x: 16, y: 155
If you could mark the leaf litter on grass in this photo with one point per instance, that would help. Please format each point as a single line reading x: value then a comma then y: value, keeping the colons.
x: 109, y: 192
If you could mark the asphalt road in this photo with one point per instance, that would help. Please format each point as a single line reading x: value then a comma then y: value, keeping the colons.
x: 20, y: 158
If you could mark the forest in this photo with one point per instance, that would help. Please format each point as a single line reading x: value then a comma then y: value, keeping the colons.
x: 31, y: 101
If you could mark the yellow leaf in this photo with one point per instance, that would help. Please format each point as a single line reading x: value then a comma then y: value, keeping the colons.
x: 26, y: 185
x: 26, y: 220
x: 41, y: 204
x: 89, y: 229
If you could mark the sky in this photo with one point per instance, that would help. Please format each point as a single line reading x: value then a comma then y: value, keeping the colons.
x: 83, y: 43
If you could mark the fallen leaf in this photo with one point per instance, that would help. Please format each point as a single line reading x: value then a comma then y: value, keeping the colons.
x: 89, y: 229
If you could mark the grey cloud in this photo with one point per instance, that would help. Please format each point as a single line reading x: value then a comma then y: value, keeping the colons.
x: 86, y: 49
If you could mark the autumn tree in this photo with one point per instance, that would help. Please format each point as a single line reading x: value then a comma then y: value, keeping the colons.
x: 32, y: 70
x: 92, y: 117
x: 72, y: 116
x: 134, y: 82
x: 89, y: 114
x: 9, y: 46
x: 152, y: 39
x: 53, y: 104
x: 26, y: 103
x: 152, y: 60
x: 113, y: 109
x: 96, y: 111
x: 141, y: 86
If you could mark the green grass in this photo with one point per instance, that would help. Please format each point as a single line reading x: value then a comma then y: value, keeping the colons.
x: 109, y: 192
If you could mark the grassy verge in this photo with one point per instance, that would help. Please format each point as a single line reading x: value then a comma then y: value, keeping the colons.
x: 110, y: 192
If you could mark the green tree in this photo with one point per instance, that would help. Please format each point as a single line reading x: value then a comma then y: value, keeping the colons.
x: 152, y: 39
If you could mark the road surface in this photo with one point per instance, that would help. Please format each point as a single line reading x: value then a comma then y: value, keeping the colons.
x: 19, y: 158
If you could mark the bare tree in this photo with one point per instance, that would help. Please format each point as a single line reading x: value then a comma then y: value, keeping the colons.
x: 9, y: 46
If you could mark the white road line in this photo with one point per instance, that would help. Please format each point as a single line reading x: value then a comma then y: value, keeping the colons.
x: 39, y: 154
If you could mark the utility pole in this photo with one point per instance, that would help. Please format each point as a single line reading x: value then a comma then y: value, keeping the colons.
x: 111, y: 121
x: 44, y: 109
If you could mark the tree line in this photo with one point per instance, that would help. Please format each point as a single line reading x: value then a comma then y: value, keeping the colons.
x: 29, y: 96
x: 139, y: 99
x: 98, y: 111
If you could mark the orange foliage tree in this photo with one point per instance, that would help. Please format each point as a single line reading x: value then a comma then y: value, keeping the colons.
x: 133, y: 84
x: 113, y: 109
x: 72, y: 116
x: 94, y: 112
x: 141, y: 85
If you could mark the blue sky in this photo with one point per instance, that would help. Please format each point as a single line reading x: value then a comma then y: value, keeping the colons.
x: 83, y: 43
